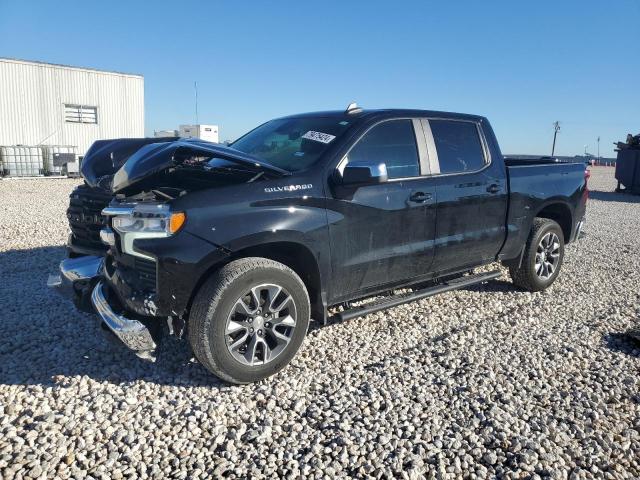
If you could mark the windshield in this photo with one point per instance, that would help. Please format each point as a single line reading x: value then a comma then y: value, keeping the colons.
x: 292, y: 143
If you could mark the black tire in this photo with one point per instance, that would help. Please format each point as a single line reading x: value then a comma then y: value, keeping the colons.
x: 525, y: 276
x: 214, y: 303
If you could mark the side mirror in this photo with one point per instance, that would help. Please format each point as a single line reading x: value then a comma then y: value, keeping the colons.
x: 361, y: 173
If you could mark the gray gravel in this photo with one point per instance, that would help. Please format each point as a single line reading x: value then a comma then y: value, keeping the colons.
x: 483, y: 382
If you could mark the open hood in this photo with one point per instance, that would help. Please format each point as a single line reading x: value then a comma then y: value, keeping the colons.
x: 156, y: 158
x: 105, y: 157
x: 123, y: 164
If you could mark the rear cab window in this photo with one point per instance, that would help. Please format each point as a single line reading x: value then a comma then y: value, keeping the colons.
x: 458, y: 145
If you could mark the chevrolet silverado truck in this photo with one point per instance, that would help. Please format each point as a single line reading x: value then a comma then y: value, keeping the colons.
x: 237, y: 247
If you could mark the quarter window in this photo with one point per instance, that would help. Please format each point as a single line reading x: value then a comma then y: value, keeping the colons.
x: 392, y: 143
x: 80, y: 114
x: 458, y: 145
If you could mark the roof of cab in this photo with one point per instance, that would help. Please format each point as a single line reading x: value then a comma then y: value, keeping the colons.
x: 388, y: 112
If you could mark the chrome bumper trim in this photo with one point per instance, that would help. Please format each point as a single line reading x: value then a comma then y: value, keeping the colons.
x: 74, y: 275
x: 133, y: 333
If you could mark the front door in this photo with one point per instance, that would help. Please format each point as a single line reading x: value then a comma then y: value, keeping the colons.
x: 383, y: 233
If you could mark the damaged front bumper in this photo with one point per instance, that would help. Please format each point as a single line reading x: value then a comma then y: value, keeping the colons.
x: 80, y: 280
x: 133, y: 333
x: 76, y: 279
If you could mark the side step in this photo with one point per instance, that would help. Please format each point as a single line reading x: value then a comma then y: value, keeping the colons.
x: 399, y: 299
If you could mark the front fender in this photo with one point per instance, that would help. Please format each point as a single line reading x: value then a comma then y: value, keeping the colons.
x: 247, y: 217
x: 240, y: 217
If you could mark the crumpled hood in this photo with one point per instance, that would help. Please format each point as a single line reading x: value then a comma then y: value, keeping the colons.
x: 154, y: 158
x: 106, y: 157
x: 123, y: 163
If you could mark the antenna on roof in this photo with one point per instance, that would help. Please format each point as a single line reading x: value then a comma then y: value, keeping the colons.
x: 353, y: 108
x: 556, y: 128
x: 195, y: 87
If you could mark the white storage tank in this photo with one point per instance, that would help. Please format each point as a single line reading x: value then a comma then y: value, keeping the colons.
x: 73, y: 169
x: 22, y: 160
x: 59, y: 159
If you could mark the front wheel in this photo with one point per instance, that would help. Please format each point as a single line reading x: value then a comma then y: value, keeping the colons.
x: 542, y: 258
x: 249, y: 319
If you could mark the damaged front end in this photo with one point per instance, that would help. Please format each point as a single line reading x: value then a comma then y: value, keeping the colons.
x: 80, y: 280
x: 188, y: 165
x: 76, y: 279
x: 125, y: 296
x: 149, y: 270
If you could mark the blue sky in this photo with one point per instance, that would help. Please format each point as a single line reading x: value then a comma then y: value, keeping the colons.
x: 523, y: 65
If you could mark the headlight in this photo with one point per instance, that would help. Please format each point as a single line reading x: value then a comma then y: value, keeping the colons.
x: 152, y: 219
x: 140, y: 224
x: 140, y: 221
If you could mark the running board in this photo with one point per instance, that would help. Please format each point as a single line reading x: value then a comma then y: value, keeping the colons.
x: 395, y: 300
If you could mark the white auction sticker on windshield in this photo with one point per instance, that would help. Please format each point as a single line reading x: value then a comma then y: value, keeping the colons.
x: 318, y: 136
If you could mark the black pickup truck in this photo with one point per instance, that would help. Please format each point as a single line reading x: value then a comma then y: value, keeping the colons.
x: 239, y: 247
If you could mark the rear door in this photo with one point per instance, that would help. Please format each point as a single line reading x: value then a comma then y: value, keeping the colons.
x: 383, y: 233
x: 472, y: 195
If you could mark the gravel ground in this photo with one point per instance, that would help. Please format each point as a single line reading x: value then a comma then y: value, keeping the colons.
x: 483, y: 382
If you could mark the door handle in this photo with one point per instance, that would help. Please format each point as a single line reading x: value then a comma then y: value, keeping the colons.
x: 420, y: 197
x: 493, y: 188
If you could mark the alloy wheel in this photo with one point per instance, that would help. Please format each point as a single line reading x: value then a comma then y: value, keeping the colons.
x: 547, y: 255
x: 260, y: 325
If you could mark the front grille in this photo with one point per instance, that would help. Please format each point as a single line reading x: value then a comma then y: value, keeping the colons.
x: 146, y: 270
x: 130, y: 275
x: 85, y: 217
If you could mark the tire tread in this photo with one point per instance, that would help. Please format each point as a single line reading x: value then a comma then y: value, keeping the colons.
x: 522, y: 276
x: 206, y: 301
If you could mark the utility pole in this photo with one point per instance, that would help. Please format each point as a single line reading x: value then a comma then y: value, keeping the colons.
x: 195, y: 86
x: 598, y: 148
x: 556, y: 128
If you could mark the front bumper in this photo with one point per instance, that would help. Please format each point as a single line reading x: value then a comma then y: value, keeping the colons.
x: 133, y: 333
x: 76, y: 279
x: 79, y: 279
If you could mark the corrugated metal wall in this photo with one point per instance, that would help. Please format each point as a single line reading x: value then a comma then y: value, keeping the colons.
x: 33, y: 97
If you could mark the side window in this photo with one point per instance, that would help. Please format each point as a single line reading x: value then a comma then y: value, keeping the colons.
x: 458, y: 145
x: 393, y: 143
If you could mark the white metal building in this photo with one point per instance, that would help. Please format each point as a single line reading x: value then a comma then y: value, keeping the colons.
x: 48, y: 104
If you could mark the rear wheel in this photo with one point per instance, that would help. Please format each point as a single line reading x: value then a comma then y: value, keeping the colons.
x: 249, y: 319
x: 542, y: 258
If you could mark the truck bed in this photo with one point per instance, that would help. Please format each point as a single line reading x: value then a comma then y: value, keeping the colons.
x: 535, y: 184
x: 515, y: 161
